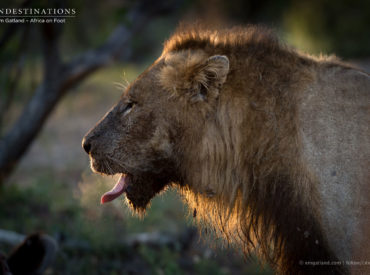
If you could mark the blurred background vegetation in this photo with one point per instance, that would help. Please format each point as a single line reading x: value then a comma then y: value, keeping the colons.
x: 52, y: 189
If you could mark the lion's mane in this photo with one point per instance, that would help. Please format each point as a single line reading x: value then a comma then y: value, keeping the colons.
x: 246, y: 178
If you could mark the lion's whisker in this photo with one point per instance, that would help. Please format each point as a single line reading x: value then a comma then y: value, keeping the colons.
x: 116, y: 161
x: 120, y: 86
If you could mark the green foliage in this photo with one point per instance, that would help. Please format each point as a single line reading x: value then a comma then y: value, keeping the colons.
x: 73, y: 212
x: 50, y: 206
x: 161, y: 261
x: 208, y: 267
x: 339, y: 27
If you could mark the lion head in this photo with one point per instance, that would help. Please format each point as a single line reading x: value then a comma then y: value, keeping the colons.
x: 216, y: 115
x: 145, y: 135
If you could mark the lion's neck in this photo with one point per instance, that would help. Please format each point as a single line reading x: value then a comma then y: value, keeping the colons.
x: 265, y: 215
x: 251, y: 187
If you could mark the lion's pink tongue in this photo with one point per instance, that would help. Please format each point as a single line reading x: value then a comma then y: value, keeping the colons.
x: 116, y: 191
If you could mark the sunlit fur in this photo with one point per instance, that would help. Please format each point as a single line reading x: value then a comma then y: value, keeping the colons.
x: 238, y: 122
x: 246, y: 177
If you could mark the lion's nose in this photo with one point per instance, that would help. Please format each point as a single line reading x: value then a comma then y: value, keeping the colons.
x: 86, y: 145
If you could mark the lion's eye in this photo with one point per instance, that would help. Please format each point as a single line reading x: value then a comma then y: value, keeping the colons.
x: 127, y: 107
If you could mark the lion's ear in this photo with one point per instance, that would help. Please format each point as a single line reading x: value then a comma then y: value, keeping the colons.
x: 193, y: 74
x: 212, y: 76
x: 218, y: 67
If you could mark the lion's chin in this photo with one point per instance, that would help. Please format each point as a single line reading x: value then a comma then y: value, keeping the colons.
x: 141, y: 189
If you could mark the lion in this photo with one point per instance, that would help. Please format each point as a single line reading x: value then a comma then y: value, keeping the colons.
x: 269, y: 146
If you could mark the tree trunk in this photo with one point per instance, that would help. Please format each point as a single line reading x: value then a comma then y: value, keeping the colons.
x: 58, y: 78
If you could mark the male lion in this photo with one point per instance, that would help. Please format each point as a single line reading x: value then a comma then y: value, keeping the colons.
x: 270, y: 146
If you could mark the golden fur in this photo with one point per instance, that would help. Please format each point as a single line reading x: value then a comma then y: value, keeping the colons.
x: 248, y: 181
x: 218, y: 115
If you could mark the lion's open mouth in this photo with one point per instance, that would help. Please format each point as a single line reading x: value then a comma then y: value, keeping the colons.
x: 139, y: 189
x: 118, y: 189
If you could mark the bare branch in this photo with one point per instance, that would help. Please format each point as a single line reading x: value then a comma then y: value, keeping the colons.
x: 13, y: 81
x: 58, y: 78
x: 92, y: 60
x: 34, y: 114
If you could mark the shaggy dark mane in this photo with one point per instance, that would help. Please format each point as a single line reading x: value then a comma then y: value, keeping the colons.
x: 246, y: 176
